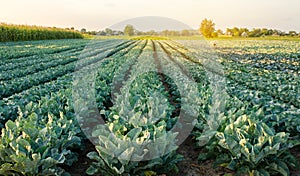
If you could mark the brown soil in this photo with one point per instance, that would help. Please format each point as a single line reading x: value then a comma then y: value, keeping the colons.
x: 83, y: 163
x: 296, y: 152
x: 191, y: 167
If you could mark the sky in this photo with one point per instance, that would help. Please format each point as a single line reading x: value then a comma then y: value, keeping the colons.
x: 100, y: 14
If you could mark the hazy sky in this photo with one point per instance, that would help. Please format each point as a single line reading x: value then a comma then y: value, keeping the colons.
x: 99, y: 14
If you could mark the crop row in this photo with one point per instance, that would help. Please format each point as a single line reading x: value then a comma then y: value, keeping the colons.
x: 53, y: 60
x: 47, y: 134
x: 150, y: 95
x: 26, y: 61
x: 17, y: 85
x: 15, y: 50
x: 254, y: 131
x: 10, y: 104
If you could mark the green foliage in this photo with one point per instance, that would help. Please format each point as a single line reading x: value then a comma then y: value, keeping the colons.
x: 257, y: 32
x: 22, y: 33
x: 125, y: 142
x: 119, y: 154
x: 136, y: 139
x: 35, y: 145
x: 263, y: 76
x: 52, y: 115
x: 49, y: 88
x: 251, y: 133
x: 133, y: 133
x: 250, y: 146
x: 260, y: 123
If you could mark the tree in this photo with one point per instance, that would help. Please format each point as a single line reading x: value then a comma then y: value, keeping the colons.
x: 92, y: 32
x: 264, y: 31
x: 236, y: 31
x: 255, y: 33
x: 108, y: 32
x: 242, y: 30
x: 151, y: 32
x: 165, y: 32
x: 292, y: 33
x: 129, y: 30
x: 229, y: 32
x: 220, y: 32
x: 83, y: 30
x: 270, y: 31
x: 103, y: 33
x: 207, y: 28
x: 185, y: 33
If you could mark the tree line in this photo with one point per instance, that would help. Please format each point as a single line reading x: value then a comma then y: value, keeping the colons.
x: 10, y: 32
x: 129, y: 30
x: 207, y: 29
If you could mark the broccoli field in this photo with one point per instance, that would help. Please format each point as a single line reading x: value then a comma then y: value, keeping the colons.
x: 132, y: 106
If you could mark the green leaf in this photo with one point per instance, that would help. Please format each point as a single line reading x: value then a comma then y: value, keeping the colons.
x: 5, y: 168
x: 279, y: 167
x: 93, y: 156
x: 262, y: 172
x: 48, y: 163
x: 91, y: 170
x: 10, y: 125
x: 125, y: 157
x: 232, y: 165
x: 24, y: 143
x: 134, y: 133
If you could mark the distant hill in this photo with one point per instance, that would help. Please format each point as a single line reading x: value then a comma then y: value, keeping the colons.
x: 155, y: 23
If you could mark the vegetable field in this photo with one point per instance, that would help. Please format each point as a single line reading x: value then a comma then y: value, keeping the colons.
x: 125, y: 107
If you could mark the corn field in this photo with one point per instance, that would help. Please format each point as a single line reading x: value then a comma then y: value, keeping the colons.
x: 9, y: 32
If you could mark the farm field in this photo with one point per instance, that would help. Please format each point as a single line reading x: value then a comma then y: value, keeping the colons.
x: 169, y: 107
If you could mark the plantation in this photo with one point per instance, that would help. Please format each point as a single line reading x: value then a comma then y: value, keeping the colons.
x: 9, y: 32
x: 124, y: 106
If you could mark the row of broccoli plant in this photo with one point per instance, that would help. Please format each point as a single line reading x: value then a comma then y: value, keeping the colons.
x: 282, y: 86
x: 11, y: 51
x: 248, y: 145
x: 247, y: 142
x: 29, y: 61
x: 134, y: 139
x: 278, y: 115
x: 273, y: 92
x: 107, y: 160
x: 44, y: 138
x: 9, y: 106
x: 198, y: 74
x: 13, y: 74
x: 197, y: 88
x: 17, y: 63
x: 10, y: 87
x: 101, y: 76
